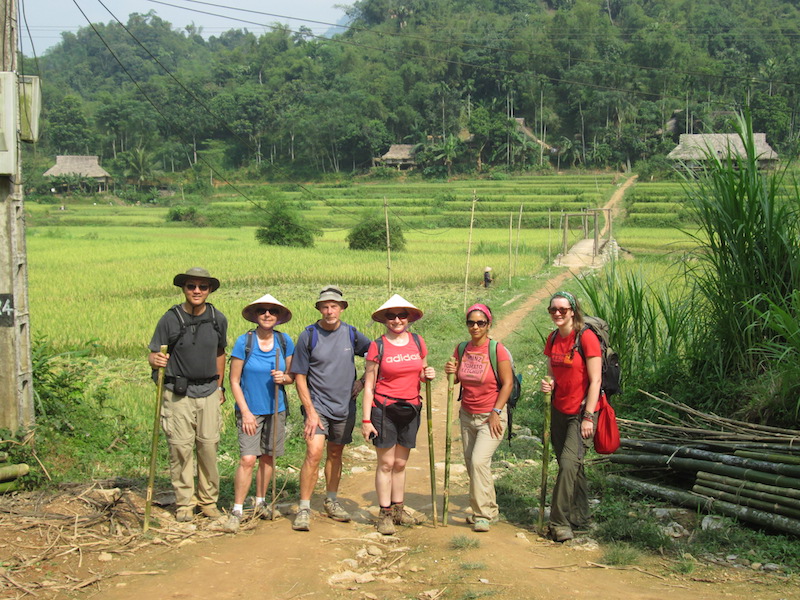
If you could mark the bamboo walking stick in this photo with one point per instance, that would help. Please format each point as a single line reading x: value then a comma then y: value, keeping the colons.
x: 430, y: 449
x: 448, y: 440
x: 151, y: 476
x: 275, y: 430
x: 545, y: 457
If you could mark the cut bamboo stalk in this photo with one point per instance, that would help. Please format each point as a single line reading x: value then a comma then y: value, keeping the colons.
x: 779, y: 458
x: 751, y: 485
x: 14, y: 471
x: 9, y: 486
x: 775, y: 509
x: 740, y: 490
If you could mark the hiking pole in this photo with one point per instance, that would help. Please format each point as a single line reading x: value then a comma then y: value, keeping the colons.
x: 448, y: 439
x: 545, y: 456
x: 430, y: 448
x: 151, y: 476
x: 275, y: 433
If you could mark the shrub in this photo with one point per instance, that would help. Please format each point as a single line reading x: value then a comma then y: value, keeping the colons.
x: 283, y: 226
x: 370, y: 234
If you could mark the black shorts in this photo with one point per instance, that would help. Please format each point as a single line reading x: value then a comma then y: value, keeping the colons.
x: 393, y: 434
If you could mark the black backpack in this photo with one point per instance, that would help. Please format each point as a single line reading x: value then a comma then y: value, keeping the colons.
x: 611, y: 381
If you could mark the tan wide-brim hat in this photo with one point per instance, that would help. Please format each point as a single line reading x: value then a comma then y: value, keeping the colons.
x: 195, y: 273
x: 397, y: 302
x: 331, y: 293
x: 267, y: 300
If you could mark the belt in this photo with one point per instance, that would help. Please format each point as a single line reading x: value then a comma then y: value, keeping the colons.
x: 171, y: 379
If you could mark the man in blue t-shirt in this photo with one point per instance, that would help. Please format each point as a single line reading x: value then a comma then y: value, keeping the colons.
x: 324, y: 375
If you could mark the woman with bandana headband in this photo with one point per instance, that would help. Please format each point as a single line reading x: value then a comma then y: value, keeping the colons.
x: 483, y: 414
x: 575, y: 386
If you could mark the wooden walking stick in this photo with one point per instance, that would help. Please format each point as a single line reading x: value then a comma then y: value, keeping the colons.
x: 275, y: 430
x: 448, y: 439
x: 431, y: 460
x: 151, y: 476
x: 545, y: 457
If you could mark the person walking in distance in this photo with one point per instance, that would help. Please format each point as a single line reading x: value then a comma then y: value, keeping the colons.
x: 195, y: 334
x: 324, y: 375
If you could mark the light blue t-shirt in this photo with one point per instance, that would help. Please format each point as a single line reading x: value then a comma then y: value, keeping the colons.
x: 256, y: 381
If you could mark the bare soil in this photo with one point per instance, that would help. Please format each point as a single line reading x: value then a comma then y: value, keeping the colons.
x: 78, y: 544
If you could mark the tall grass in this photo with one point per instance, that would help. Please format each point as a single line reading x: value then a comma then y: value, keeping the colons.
x: 748, y: 253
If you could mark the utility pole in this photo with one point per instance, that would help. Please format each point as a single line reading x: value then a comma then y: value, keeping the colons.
x: 16, y: 388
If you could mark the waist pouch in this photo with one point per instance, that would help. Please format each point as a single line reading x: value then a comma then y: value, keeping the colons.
x: 400, y: 411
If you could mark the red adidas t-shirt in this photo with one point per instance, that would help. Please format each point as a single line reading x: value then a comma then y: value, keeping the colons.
x: 478, y: 383
x: 399, y: 370
x: 569, y: 369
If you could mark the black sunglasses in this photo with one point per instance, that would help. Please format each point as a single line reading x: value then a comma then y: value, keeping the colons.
x: 393, y: 316
x: 481, y: 323
x: 204, y: 287
x: 273, y: 310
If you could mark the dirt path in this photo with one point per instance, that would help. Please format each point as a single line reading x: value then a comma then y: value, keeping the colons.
x: 273, y: 562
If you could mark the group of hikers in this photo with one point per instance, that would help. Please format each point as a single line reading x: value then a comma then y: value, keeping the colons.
x: 321, y: 366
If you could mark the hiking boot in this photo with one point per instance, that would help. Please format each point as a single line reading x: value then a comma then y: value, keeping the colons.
x: 211, y: 511
x: 335, y: 511
x: 232, y: 524
x: 481, y: 525
x: 263, y: 511
x: 561, y: 534
x: 386, y: 522
x: 400, y: 516
x: 302, y: 520
x: 184, y: 514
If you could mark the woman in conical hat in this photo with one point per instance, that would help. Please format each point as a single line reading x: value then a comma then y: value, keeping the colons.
x: 260, y: 360
x: 396, y: 364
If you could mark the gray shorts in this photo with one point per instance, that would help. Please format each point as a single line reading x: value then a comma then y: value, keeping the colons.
x: 261, y: 443
x: 337, y: 432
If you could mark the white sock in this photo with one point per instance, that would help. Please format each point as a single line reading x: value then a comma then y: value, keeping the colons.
x: 305, y: 504
x: 237, y: 509
x: 259, y: 500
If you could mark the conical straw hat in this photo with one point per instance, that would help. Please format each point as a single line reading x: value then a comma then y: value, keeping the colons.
x: 249, y: 311
x: 397, y: 302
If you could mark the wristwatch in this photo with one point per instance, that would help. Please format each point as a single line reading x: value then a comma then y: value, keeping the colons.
x: 499, y: 411
x: 221, y: 388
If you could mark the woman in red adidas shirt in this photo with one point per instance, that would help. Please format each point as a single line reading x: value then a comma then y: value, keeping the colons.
x: 483, y: 416
x: 396, y: 363
x: 576, y: 391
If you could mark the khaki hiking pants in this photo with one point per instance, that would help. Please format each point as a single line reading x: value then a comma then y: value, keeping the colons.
x: 479, y: 447
x: 192, y: 424
x: 569, y: 506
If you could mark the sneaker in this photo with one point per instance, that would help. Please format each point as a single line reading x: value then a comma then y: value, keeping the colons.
x: 386, y: 522
x: 302, y: 520
x: 211, y: 511
x: 263, y: 511
x: 400, y: 516
x: 481, y: 525
x: 184, y: 514
x: 561, y: 534
x: 335, y: 511
x: 232, y: 524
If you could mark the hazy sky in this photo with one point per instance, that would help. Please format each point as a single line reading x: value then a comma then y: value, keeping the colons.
x: 46, y: 19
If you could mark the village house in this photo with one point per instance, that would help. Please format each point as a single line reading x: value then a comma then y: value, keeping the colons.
x: 85, y: 166
x: 693, y: 148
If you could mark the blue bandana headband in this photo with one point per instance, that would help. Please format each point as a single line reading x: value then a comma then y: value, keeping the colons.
x: 567, y: 296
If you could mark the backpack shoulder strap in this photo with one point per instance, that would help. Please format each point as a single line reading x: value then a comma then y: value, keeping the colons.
x: 578, y: 346
x: 461, y: 349
x: 281, y: 341
x: 313, y: 336
x: 493, y: 360
x: 176, y: 309
x: 416, y: 341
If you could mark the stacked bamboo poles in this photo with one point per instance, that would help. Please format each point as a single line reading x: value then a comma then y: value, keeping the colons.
x: 748, y: 471
x: 10, y: 474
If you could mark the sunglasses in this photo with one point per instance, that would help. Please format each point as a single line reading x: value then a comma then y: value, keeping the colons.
x: 273, y: 310
x: 204, y: 287
x: 558, y: 309
x: 392, y: 316
x: 481, y: 323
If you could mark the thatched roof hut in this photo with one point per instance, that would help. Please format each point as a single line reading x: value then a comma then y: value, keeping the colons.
x: 694, y: 147
x: 86, y: 166
x: 400, y: 156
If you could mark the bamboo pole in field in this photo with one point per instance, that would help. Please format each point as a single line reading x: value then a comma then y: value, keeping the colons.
x: 545, y: 458
x: 275, y: 408
x: 779, y: 458
x: 9, y: 486
x: 151, y: 476
x: 431, y: 460
x: 448, y: 441
x: 510, y: 235
x: 769, y: 507
x: 549, y: 231
x: 469, y: 245
x: 388, y: 244
x: 792, y: 493
x: 519, y: 229
x: 11, y: 472
x: 739, y: 490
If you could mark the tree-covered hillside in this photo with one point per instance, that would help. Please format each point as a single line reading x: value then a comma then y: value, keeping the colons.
x: 601, y: 82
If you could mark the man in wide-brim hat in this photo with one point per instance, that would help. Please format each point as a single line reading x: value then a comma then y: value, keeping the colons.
x: 195, y: 334
x: 324, y: 375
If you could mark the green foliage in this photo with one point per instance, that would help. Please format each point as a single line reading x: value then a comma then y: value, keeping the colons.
x: 464, y: 542
x: 282, y: 225
x: 620, y: 553
x: 370, y: 234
